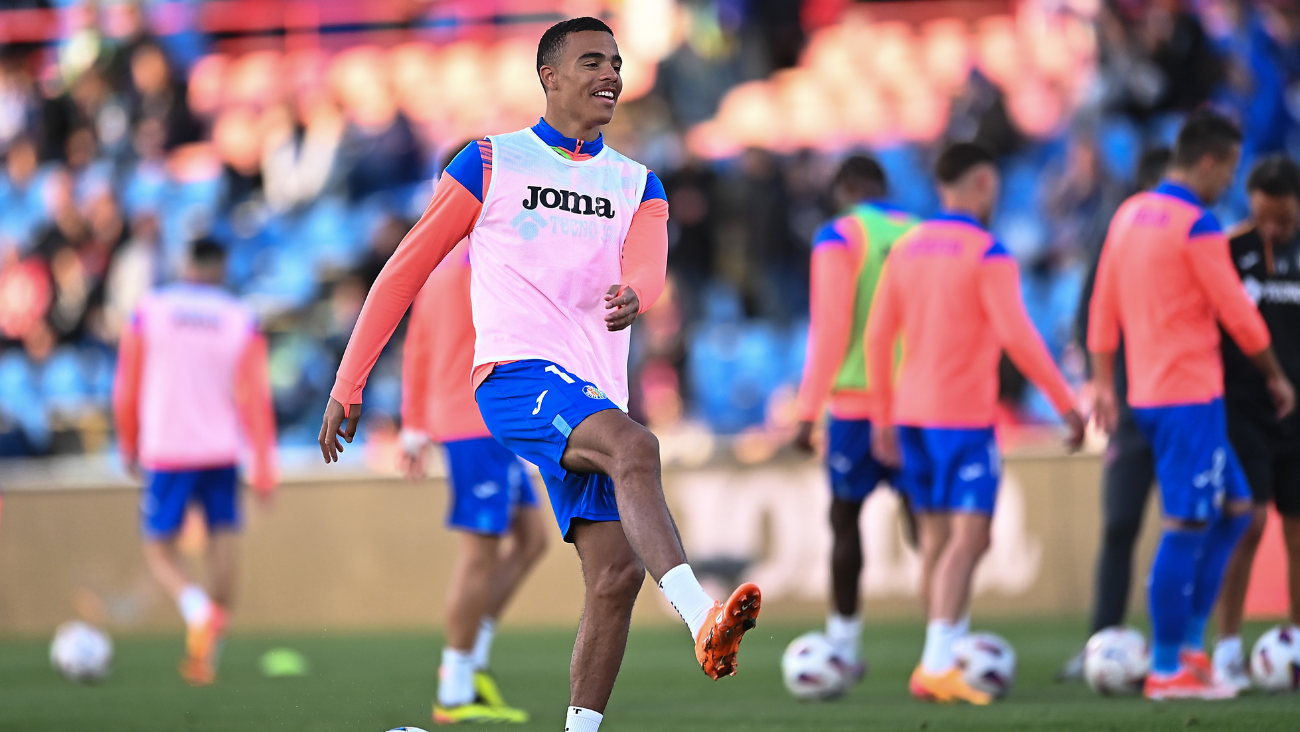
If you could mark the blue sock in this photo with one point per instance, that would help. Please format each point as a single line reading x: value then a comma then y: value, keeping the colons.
x: 1169, y: 593
x: 1220, y: 542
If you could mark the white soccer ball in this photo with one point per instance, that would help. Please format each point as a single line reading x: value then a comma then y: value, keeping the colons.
x: 406, y: 729
x: 1275, y: 661
x: 987, y: 662
x: 81, y: 652
x: 811, y: 670
x: 1116, y: 661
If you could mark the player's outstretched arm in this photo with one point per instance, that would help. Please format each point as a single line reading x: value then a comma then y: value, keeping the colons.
x: 456, y: 205
x: 1000, y: 295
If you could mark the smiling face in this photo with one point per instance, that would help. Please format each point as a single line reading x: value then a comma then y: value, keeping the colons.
x: 584, y: 84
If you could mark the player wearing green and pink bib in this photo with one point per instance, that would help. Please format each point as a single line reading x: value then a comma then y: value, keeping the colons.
x: 848, y: 255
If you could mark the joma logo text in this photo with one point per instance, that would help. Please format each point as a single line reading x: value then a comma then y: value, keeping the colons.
x: 570, y: 201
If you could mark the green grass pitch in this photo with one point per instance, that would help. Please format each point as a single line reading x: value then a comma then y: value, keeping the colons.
x: 370, y: 683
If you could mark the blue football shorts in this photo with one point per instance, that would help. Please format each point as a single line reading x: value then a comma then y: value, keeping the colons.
x: 854, y: 472
x: 531, y: 407
x: 950, y: 469
x: 487, y: 484
x: 1197, y: 468
x: 167, y: 493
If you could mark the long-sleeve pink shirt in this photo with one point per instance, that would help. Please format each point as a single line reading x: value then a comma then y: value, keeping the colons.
x: 437, y: 393
x: 192, y: 389
x: 457, y: 211
x: 950, y: 294
x: 1166, y: 280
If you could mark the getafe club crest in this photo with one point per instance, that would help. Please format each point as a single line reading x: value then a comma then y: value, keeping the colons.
x: 593, y: 392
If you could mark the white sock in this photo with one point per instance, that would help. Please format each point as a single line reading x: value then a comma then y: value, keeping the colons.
x: 1227, y: 650
x: 195, y: 605
x: 487, y: 631
x: 583, y: 720
x: 962, y: 626
x: 937, y: 657
x: 845, y: 634
x: 684, y: 592
x: 456, y: 678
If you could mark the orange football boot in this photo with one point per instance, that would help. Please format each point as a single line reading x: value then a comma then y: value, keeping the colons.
x: 1186, y: 684
x: 202, y: 646
x: 946, y: 688
x: 918, y: 690
x: 1198, y: 662
x: 718, y: 640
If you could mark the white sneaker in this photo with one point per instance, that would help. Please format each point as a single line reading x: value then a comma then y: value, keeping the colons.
x: 1232, y: 673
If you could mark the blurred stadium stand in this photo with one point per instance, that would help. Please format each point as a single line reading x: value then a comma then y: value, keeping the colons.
x: 305, y: 136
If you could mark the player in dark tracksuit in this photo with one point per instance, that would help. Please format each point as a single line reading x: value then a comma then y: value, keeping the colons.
x: 1266, y: 253
x: 1129, y: 470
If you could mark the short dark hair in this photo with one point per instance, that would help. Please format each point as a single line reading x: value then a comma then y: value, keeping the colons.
x: 552, y: 43
x: 1152, y: 166
x: 863, y: 170
x: 206, y: 252
x: 1275, y: 175
x: 960, y: 158
x: 1205, y: 133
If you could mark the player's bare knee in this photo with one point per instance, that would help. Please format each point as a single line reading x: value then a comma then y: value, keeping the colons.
x: 638, y: 455
x: 619, y: 582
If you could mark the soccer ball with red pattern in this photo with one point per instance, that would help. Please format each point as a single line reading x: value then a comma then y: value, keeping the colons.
x: 811, y: 670
x: 987, y: 662
x: 1116, y: 661
x: 1275, y: 661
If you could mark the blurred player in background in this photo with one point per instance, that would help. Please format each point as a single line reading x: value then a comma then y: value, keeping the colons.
x: 1266, y: 253
x: 848, y: 253
x: 1128, y: 470
x: 190, y: 396
x: 490, y: 494
x: 568, y: 241
x: 950, y: 293
x: 1165, y: 277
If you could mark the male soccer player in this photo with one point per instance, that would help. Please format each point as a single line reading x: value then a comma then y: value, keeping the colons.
x: 1129, y: 467
x: 490, y: 494
x: 191, y: 392
x: 568, y: 245
x: 1164, y: 279
x: 951, y: 294
x: 848, y: 253
x: 1266, y: 253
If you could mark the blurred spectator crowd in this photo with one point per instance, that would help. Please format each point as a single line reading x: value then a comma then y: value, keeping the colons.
x: 310, y: 159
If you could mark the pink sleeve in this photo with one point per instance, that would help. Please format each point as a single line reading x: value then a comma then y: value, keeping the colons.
x: 831, y: 318
x: 1000, y: 295
x: 1103, y: 311
x: 126, y: 392
x: 253, y: 394
x: 1211, y: 263
x: 882, y: 333
x: 449, y: 218
x: 645, y: 252
x: 416, y: 353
